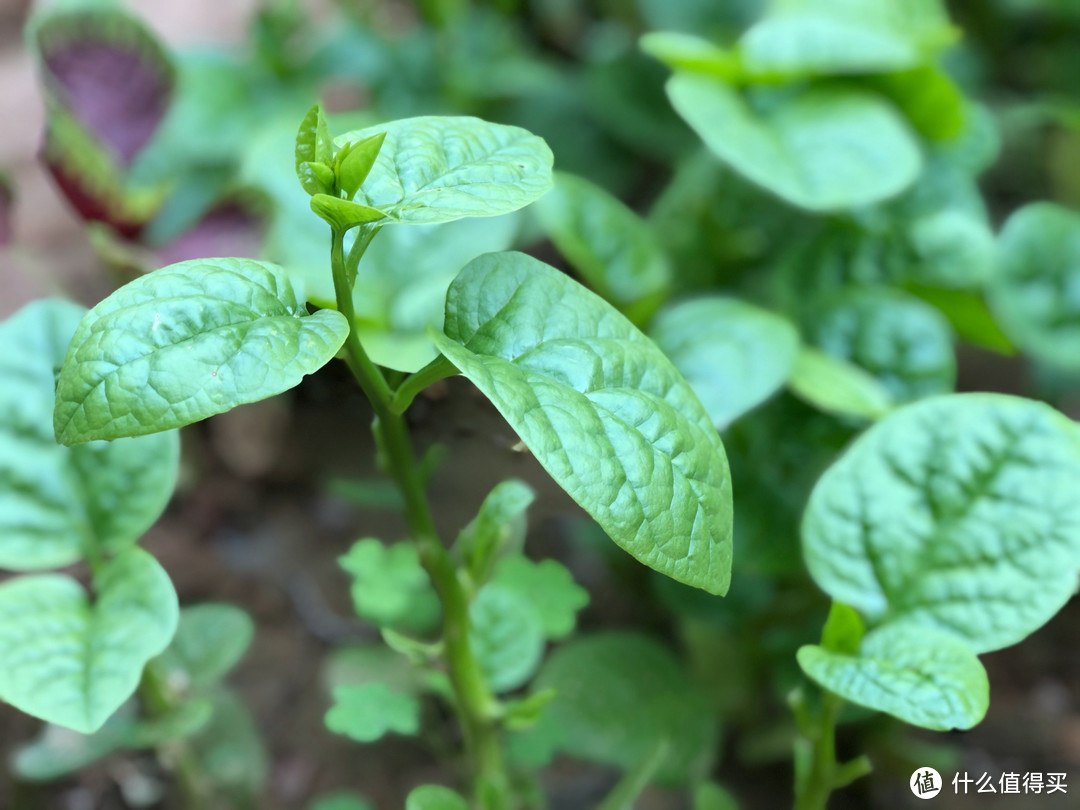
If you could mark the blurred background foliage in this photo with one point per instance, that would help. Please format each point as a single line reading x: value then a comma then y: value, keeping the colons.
x: 167, y: 151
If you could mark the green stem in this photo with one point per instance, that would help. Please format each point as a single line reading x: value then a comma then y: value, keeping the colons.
x: 817, y: 743
x: 155, y: 699
x: 477, y: 708
x: 438, y: 369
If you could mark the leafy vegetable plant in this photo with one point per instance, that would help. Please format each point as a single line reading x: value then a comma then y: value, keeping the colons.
x: 777, y: 336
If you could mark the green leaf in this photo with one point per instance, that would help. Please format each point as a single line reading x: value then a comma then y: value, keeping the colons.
x: 210, y: 640
x: 434, y: 797
x: 340, y: 801
x: 507, y: 636
x: 576, y: 380
x: 314, y: 153
x: 969, y: 315
x: 354, y: 168
x: 906, y: 344
x: 629, y: 789
x: 366, y: 713
x: 1032, y: 293
x: 229, y: 751
x: 59, y: 751
x: 837, y: 387
x: 925, y: 677
x: 498, y: 528
x: 437, y: 169
x: 843, y: 631
x: 361, y: 664
x: 828, y: 37
x: 390, y: 588
x: 344, y: 214
x: 930, y: 99
x: 681, y: 51
x: 617, y: 696
x: 710, y: 796
x: 608, y: 244
x: 57, y: 503
x: 549, y: 587
x: 958, y: 512
x: 180, y: 723
x: 821, y: 147
x: 72, y: 662
x: 186, y: 342
x: 734, y: 355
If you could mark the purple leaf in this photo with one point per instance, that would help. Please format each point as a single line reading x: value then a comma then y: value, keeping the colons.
x: 234, y: 227
x: 110, y: 74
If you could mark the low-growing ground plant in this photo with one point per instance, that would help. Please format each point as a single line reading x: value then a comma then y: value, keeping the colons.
x: 753, y: 382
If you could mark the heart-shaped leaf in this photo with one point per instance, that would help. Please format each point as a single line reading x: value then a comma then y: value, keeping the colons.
x: 186, y: 342
x: 925, y: 677
x: 821, y: 147
x: 57, y: 503
x: 73, y: 662
x: 1034, y: 292
x: 733, y: 354
x: 609, y: 245
x: 507, y: 635
x: 601, y: 408
x: 959, y: 512
x: 438, y: 169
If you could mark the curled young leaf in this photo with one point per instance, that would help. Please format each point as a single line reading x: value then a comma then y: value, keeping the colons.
x: 960, y: 513
x: 352, y: 169
x: 601, y: 408
x: 925, y: 677
x: 438, y: 169
x: 315, y: 153
x: 186, y: 342
x: 73, y: 662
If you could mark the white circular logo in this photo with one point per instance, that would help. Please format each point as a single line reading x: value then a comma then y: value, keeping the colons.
x: 926, y: 783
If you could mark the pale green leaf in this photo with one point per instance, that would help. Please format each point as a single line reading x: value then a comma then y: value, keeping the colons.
x: 608, y: 244
x: 366, y: 713
x: 229, y: 752
x: 843, y: 631
x: 355, y: 166
x: 681, y: 51
x: 959, y: 512
x: 343, y: 214
x: 733, y: 354
x: 73, y: 662
x: 187, y: 342
x: 437, y: 169
x: 838, y: 387
x: 434, y: 797
x: 340, y: 801
x: 59, y: 751
x: 903, y: 342
x: 210, y: 640
x: 548, y: 586
x: 56, y: 503
x: 507, y: 636
x: 390, y: 588
x: 925, y: 677
x: 710, y: 796
x: 601, y: 408
x: 823, y: 37
x: 498, y: 528
x: 1035, y: 293
x: 821, y: 147
x: 618, y: 695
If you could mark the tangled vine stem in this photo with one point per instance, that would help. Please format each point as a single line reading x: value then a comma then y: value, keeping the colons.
x: 477, y: 708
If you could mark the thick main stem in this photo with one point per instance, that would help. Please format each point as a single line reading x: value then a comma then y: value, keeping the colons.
x: 476, y: 706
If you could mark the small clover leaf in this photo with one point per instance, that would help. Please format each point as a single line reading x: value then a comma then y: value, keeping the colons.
x: 549, y: 587
x: 368, y: 712
x: 390, y: 588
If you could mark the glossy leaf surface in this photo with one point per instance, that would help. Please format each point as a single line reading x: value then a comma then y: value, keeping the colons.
x: 601, y: 408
